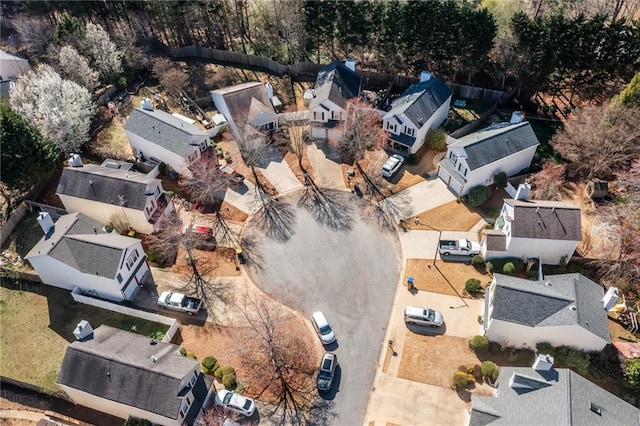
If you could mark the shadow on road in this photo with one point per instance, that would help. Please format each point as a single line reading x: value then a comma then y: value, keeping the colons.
x: 327, y: 206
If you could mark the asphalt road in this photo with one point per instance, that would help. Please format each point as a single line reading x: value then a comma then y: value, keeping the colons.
x: 348, y: 268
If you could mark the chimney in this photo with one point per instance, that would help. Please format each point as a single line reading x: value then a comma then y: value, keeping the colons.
x: 425, y: 76
x: 75, y: 160
x: 146, y: 104
x: 543, y: 363
x: 351, y: 64
x: 522, y: 193
x: 46, y: 223
x: 269, y: 88
x: 610, y: 298
x: 83, y: 330
x: 516, y: 117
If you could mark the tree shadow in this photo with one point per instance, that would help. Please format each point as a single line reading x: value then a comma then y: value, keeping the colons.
x: 274, y: 217
x: 385, y: 211
x: 250, y: 251
x: 322, y: 412
x: 327, y: 206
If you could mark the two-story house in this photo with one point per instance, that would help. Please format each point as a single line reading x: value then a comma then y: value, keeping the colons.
x: 128, y: 375
x: 247, y: 104
x: 113, y: 194
x: 545, y: 230
x: 476, y: 158
x: 421, y: 108
x: 566, y: 309
x: 76, y: 251
x: 336, y: 83
x: 157, y: 137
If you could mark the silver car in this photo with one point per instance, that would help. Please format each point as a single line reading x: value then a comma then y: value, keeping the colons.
x: 423, y: 316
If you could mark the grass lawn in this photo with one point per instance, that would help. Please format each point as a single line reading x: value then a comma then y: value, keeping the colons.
x: 112, y: 141
x: 37, y: 323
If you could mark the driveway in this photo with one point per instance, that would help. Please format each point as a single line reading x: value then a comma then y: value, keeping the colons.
x: 349, y: 271
x: 324, y: 160
x: 422, y: 197
x: 277, y: 171
x: 422, y: 244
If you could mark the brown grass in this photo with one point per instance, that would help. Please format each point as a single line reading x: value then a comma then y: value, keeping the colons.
x: 443, y: 277
x: 112, y: 142
x: 219, y: 263
x: 453, y: 216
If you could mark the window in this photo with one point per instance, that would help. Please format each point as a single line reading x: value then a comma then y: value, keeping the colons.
x: 409, y: 130
x: 193, y: 379
x: 119, y: 278
x: 131, y: 260
x: 391, y: 126
x: 203, y: 146
x: 459, y: 166
x: 184, y: 407
x: 270, y: 126
x: 465, y: 173
x: 451, y: 155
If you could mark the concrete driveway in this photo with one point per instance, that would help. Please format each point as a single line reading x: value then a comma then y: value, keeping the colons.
x: 422, y: 197
x: 350, y: 272
x: 325, y: 163
x: 277, y: 171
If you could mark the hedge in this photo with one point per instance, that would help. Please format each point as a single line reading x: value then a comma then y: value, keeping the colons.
x: 479, y: 343
x: 473, y: 285
x: 478, y: 195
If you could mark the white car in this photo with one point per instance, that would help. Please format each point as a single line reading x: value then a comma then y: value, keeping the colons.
x: 423, y: 316
x: 235, y: 402
x: 323, y: 328
x: 392, y: 165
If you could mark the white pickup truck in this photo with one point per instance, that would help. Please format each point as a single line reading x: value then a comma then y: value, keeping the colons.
x: 180, y: 302
x: 461, y: 247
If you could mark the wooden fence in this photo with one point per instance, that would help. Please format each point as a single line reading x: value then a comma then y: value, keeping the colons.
x: 471, y: 92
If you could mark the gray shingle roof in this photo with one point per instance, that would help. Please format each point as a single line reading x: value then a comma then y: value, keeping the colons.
x: 553, y: 220
x: 496, y: 239
x: 337, y: 83
x: 421, y: 100
x: 80, y: 242
x: 565, y: 401
x: 551, y: 303
x: 163, y: 129
x: 496, y: 142
x: 117, y: 365
x: 105, y: 185
x: 238, y: 99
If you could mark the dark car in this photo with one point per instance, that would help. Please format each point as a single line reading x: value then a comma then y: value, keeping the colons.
x: 327, y: 371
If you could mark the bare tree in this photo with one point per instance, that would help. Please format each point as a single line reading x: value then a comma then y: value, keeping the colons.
x: 35, y: 33
x: 629, y: 182
x: 172, y: 78
x: 278, y: 357
x: 218, y: 416
x: 601, y: 141
x: 206, y: 181
x: 547, y: 183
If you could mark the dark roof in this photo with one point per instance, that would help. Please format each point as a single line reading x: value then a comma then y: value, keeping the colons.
x: 105, y: 185
x: 421, y: 100
x: 564, y: 399
x: 495, y: 240
x: 496, y: 142
x: 337, y: 83
x: 239, y: 99
x: 117, y: 365
x: 163, y: 129
x: 403, y: 139
x: 81, y: 243
x: 566, y: 299
x: 552, y: 220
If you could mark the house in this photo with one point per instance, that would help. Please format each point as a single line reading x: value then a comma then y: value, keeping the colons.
x: 128, y: 375
x: 421, y: 108
x: 113, y: 194
x: 543, y: 395
x: 336, y: 83
x: 564, y: 309
x: 159, y: 137
x: 247, y: 103
x: 11, y: 67
x: 77, y: 251
x: 476, y: 158
x: 547, y: 230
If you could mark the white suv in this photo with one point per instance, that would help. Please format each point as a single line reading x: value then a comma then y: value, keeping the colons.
x: 323, y: 328
x: 392, y: 165
x: 423, y: 316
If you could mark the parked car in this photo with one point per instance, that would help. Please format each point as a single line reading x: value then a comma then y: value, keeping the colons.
x: 423, y: 316
x: 180, y: 302
x: 235, y: 402
x: 327, y: 371
x: 392, y: 165
x: 323, y: 328
x: 463, y: 247
x: 203, y: 238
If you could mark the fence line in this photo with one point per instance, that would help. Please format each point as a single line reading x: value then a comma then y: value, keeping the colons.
x: 472, y: 92
x: 171, y: 322
x: 54, y: 211
x: 11, y: 223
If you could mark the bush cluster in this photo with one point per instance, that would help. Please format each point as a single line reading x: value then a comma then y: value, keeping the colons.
x: 209, y: 364
x: 478, y: 195
x: 479, y: 343
x: 477, y: 260
x: 473, y: 285
x: 461, y: 380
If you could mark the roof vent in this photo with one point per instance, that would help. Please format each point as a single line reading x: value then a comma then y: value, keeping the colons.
x: 516, y: 117
x: 146, y: 104
x: 547, y: 283
x: 543, y: 362
x: 523, y: 192
x: 595, y: 408
x: 75, y: 160
x: 573, y: 307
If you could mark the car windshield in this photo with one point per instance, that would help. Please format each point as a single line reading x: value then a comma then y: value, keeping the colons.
x: 325, y: 330
x: 386, y: 168
x: 468, y: 245
x: 324, y: 375
x: 227, y: 398
x: 431, y: 315
x: 247, y: 404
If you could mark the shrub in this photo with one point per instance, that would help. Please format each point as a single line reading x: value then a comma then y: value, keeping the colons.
x: 479, y: 343
x: 477, y: 373
x: 508, y: 268
x: 532, y: 274
x: 494, y: 348
x: 488, y: 367
x: 191, y: 355
x: 477, y: 260
x: 209, y: 364
x: 473, y: 285
x: 478, y: 195
x: 544, y: 348
x: 632, y: 373
x: 217, y: 373
x: 412, y: 159
x: 183, y: 351
x: 229, y: 381
x: 489, y: 267
x: 461, y: 380
x: 500, y: 180
x: 495, y: 374
x: 228, y: 370
x: 437, y: 140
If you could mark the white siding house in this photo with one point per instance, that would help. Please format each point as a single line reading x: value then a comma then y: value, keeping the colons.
x: 158, y: 137
x: 548, y: 230
x: 125, y: 375
x: 247, y: 104
x: 421, y: 108
x: 335, y: 85
x: 77, y: 252
x: 115, y: 196
x: 476, y: 158
x: 562, y: 309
